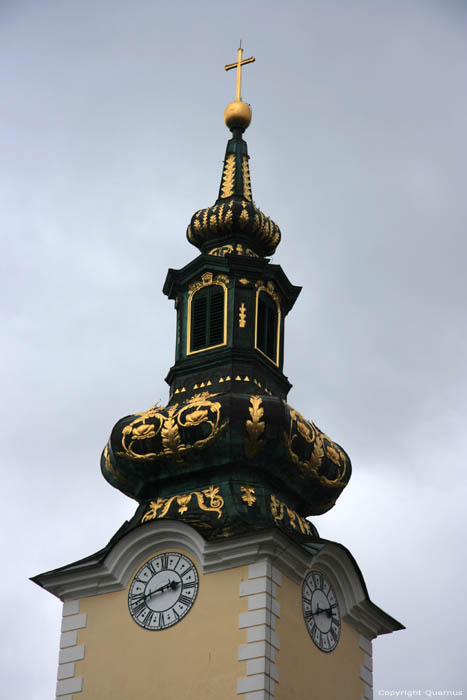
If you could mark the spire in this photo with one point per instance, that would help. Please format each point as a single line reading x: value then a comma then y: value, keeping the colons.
x: 234, y: 224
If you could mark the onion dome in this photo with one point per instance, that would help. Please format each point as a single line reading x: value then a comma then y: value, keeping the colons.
x: 235, y: 443
x: 234, y: 224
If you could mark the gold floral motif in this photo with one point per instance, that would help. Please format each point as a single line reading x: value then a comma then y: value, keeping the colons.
x: 197, y: 410
x: 254, y: 427
x: 244, y: 281
x: 248, y: 495
x: 242, y: 315
x: 323, y: 447
x: 228, y: 177
x: 160, y: 508
x: 278, y: 511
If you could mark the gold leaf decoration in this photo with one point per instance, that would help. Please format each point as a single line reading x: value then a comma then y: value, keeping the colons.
x: 246, y: 179
x: 109, y: 467
x: 242, y: 315
x: 228, y: 177
x: 254, y: 427
x: 248, y: 495
x: 209, y: 499
x: 163, y: 426
x: 323, y: 447
x: 278, y: 511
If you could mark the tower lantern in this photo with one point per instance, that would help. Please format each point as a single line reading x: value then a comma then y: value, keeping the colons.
x: 220, y: 586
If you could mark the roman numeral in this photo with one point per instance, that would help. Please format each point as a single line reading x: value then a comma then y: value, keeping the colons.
x: 189, y: 584
x: 185, y: 600
x: 164, y: 561
x: 138, y: 608
x: 151, y: 568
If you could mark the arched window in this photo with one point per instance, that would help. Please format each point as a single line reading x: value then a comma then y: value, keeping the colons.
x: 207, y: 318
x: 267, y: 325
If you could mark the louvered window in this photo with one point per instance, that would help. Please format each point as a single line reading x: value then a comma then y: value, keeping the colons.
x: 207, y: 318
x: 266, y: 329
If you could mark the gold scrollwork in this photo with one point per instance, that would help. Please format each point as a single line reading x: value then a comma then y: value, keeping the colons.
x: 206, y: 280
x: 323, y: 447
x: 197, y: 410
x: 228, y: 249
x: 109, y: 467
x: 254, y: 427
x: 160, y: 508
x: 248, y: 495
x: 278, y: 511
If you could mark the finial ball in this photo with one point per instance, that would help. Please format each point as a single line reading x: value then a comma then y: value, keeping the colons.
x: 237, y: 114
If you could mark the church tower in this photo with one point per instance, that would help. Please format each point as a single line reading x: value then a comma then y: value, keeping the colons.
x: 219, y: 586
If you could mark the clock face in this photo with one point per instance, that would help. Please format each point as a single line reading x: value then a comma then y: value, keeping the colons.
x: 163, y: 591
x: 321, y: 611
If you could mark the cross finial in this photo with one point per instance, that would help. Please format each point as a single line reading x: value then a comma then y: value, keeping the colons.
x: 238, y: 65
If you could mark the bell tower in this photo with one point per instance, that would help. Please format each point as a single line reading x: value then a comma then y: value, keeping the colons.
x: 220, y: 586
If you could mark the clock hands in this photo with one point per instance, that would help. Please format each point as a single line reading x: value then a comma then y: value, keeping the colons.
x: 318, y: 611
x: 169, y: 584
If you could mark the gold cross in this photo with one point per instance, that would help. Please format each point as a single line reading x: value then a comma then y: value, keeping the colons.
x: 238, y: 65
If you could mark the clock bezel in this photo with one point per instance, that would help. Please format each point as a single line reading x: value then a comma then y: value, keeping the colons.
x: 310, y: 627
x: 177, y: 616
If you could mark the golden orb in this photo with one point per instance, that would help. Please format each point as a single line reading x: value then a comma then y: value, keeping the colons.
x: 237, y: 114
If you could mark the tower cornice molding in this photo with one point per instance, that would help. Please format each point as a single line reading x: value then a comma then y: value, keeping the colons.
x: 110, y: 569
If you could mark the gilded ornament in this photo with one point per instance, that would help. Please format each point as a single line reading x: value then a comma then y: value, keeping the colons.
x: 238, y: 65
x: 159, y: 509
x: 242, y: 315
x: 228, y: 176
x: 323, y: 447
x: 228, y: 249
x: 246, y: 179
x: 244, y: 281
x: 197, y: 410
x: 228, y: 218
x: 110, y: 467
x: 254, y: 427
x: 278, y: 511
x: 248, y: 495
x: 243, y: 216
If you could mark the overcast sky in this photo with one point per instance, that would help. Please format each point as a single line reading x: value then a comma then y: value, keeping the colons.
x: 111, y: 136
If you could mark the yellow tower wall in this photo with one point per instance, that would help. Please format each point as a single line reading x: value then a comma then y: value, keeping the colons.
x: 303, y: 667
x: 195, y: 658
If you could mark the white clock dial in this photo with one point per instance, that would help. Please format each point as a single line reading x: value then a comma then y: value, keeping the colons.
x: 321, y: 611
x: 163, y: 591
